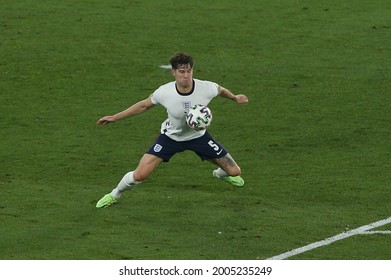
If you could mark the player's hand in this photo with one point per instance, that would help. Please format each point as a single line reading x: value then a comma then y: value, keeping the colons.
x: 106, y: 120
x: 241, y: 98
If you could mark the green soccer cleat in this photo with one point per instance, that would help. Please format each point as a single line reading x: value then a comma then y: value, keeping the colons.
x: 233, y: 180
x: 106, y: 201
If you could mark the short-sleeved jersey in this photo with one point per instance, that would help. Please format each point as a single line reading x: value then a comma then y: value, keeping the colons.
x: 177, y: 104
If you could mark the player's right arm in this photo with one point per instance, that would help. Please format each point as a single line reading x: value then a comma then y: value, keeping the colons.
x: 137, y: 108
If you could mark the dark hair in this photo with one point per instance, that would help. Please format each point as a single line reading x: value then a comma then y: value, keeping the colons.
x: 181, y: 58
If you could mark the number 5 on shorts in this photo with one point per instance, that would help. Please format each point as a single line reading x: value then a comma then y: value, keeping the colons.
x: 213, y: 145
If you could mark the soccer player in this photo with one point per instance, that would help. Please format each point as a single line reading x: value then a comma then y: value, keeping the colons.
x: 176, y: 136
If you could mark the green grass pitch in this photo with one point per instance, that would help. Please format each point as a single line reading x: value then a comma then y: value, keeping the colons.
x: 314, y: 141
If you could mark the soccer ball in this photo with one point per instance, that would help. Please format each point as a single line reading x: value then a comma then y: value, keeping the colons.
x: 199, y: 117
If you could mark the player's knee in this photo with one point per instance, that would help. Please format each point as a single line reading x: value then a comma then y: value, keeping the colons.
x: 234, y: 171
x: 139, y: 176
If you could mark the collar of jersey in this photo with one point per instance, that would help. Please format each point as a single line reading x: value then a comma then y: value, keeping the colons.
x: 181, y: 93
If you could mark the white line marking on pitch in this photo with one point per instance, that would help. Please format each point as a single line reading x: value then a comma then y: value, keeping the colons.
x: 377, y: 232
x: 361, y: 230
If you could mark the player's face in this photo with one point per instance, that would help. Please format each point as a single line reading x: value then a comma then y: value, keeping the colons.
x: 183, y: 76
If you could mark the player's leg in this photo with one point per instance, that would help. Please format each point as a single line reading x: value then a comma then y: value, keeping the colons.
x: 228, y: 170
x: 227, y: 166
x: 209, y: 149
x: 150, y: 160
x: 147, y: 164
x: 162, y: 150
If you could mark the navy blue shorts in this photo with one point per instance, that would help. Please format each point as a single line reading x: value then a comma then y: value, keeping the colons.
x: 205, y: 147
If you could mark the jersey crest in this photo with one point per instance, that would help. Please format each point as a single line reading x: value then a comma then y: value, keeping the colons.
x: 186, y: 105
x: 157, y: 148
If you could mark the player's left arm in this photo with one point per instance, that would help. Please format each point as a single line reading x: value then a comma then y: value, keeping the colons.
x: 226, y: 93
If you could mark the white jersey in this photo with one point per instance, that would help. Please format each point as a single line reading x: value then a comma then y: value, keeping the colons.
x: 177, y: 104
